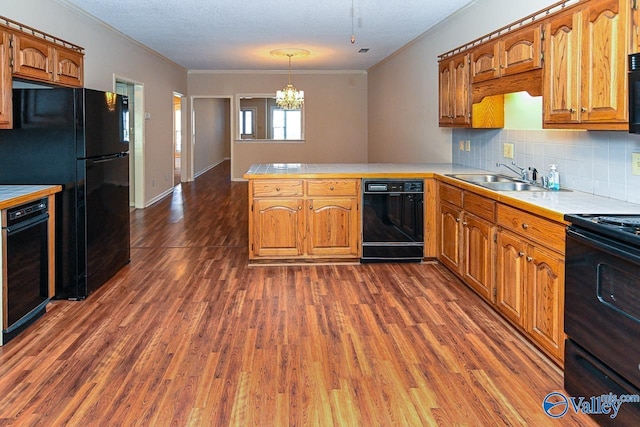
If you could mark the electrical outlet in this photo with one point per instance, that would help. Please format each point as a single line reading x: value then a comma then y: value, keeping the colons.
x: 467, y: 145
x: 507, y: 150
x: 635, y: 163
x: 461, y: 145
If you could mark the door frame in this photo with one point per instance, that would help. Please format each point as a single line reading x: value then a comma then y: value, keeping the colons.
x: 192, y: 127
x: 137, y: 179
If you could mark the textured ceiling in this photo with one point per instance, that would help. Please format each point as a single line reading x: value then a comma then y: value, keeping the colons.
x: 239, y: 34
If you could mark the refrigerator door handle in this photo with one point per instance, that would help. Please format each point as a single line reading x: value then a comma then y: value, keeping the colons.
x: 108, y: 158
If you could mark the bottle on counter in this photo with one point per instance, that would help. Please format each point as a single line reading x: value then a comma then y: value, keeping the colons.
x: 554, y: 178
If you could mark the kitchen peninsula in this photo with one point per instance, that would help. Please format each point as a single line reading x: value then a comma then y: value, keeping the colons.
x: 508, y: 246
x: 30, y: 197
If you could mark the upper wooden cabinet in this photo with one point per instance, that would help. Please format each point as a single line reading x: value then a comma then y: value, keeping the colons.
x: 29, y: 54
x: 5, y: 81
x: 574, y: 54
x: 32, y: 58
x: 585, y: 74
x: 514, y: 53
x: 68, y: 67
x: 455, y: 100
x: 37, y: 59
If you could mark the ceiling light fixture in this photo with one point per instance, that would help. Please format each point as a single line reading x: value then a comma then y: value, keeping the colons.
x: 290, y: 98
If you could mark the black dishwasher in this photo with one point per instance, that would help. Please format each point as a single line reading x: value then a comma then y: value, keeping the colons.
x: 26, y: 259
x: 392, y: 220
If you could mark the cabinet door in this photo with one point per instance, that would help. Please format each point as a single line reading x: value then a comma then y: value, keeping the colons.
x: 449, y: 251
x: 485, y: 63
x: 332, y: 226
x: 521, y: 51
x: 461, y: 91
x: 561, y: 83
x: 604, y: 54
x: 32, y: 58
x: 478, y: 255
x: 69, y: 69
x: 5, y: 83
x: 545, y: 286
x: 454, y: 93
x: 510, y: 276
x: 445, y: 80
x: 277, y: 228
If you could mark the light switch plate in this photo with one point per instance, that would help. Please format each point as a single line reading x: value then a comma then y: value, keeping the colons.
x: 635, y: 163
x: 507, y: 150
x: 467, y: 145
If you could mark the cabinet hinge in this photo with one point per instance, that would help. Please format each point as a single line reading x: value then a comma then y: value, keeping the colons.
x: 495, y: 237
x: 542, y: 35
x: 634, y: 4
x: 495, y: 292
x: 542, y: 56
x: 251, y: 207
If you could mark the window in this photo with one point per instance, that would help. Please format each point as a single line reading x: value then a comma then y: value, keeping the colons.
x: 247, y: 123
x: 286, y: 124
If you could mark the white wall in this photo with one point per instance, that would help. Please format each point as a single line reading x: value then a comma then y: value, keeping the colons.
x: 108, y: 53
x: 403, y: 89
x: 335, y: 116
x: 212, y: 139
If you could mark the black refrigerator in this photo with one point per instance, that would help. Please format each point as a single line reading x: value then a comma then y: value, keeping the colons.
x: 77, y: 138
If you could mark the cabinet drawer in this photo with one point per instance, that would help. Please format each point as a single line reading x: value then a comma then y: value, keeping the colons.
x: 275, y: 188
x: 451, y: 194
x: 480, y: 206
x: 541, y: 230
x: 332, y: 187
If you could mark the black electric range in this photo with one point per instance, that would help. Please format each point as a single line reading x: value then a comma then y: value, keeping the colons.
x: 622, y: 228
x: 602, y: 313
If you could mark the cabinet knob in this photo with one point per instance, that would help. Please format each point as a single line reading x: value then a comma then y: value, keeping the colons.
x: 457, y: 219
x: 525, y: 225
x: 299, y: 208
x: 310, y: 207
x: 520, y: 254
x: 331, y: 188
x: 583, y: 109
x: 464, y: 223
x: 277, y: 188
x: 529, y: 259
x: 572, y: 110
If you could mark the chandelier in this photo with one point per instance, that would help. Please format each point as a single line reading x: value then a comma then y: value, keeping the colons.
x: 290, y: 98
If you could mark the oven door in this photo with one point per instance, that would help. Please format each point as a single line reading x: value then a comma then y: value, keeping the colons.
x: 602, y: 300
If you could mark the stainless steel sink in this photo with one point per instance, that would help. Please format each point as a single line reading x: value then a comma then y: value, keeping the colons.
x: 475, y: 178
x: 498, y: 182
x: 511, y: 186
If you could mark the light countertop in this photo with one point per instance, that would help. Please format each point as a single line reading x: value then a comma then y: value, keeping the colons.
x: 12, y: 195
x: 552, y: 204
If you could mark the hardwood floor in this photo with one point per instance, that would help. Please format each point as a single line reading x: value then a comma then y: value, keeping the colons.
x: 189, y: 334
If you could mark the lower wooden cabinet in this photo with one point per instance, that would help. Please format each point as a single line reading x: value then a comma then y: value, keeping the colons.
x: 466, y: 238
x: 478, y: 269
x: 298, y: 219
x: 511, y: 258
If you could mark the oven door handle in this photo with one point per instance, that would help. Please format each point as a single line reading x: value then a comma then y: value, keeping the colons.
x: 618, y: 249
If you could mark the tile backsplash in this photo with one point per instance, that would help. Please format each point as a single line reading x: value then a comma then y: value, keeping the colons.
x: 594, y: 162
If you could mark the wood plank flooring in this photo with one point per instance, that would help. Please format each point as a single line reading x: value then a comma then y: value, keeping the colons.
x: 189, y: 335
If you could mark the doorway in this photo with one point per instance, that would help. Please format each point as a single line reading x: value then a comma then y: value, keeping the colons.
x: 211, y: 135
x: 177, y: 139
x: 135, y: 92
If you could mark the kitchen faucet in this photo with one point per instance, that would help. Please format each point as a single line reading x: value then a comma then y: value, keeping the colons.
x: 523, y: 172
